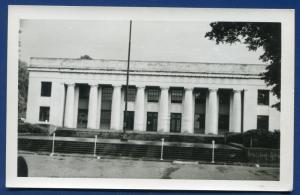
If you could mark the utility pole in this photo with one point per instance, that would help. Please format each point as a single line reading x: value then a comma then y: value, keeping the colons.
x: 124, y: 135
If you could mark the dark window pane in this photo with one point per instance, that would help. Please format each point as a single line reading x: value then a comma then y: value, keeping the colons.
x: 82, y: 118
x: 176, y: 95
x: 175, y: 123
x: 84, y: 91
x: 46, y: 89
x: 199, y: 123
x: 130, y: 120
x: 200, y: 97
x: 153, y: 95
x: 44, y: 113
x: 263, y: 97
x: 223, y: 123
x: 105, y: 119
x: 152, y: 121
x: 107, y: 93
x: 224, y: 97
x: 131, y: 94
x: 263, y: 122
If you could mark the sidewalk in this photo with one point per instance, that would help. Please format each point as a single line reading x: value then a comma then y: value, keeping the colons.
x: 71, y: 166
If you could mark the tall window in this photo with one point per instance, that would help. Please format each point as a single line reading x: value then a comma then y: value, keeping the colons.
x: 224, y: 97
x: 44, y: 113
x: 153, y: 95
x: 130, y: 94
x: 223, y: 123
x: 175, y: 123
x: 46, y: 89
x: 176, y: 95
x: 106, y: 98
x: 263, y: 122
x: 263, y: 97
x: 200, y: 97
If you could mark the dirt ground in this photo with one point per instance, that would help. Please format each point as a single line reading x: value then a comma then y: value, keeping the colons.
x: 82, y: 166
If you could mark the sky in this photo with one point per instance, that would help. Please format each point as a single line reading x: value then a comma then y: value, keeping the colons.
x: 181, y: 41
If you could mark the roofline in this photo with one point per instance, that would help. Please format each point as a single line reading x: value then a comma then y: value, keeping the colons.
x: 154, y: 61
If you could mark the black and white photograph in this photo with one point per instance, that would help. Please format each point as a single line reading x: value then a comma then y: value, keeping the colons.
x: 152, y: 99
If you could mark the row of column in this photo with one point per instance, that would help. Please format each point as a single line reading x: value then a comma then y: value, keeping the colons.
x: 163, y: 114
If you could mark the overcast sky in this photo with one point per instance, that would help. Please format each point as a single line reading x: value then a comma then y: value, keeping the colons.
x: 151, y: 40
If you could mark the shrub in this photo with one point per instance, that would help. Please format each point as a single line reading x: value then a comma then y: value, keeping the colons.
x: 33, y: 128
x: 257, y: 138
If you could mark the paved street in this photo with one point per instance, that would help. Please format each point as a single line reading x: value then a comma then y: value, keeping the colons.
x: 72, y: 166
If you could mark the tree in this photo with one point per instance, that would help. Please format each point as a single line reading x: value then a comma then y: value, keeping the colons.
x: 255, y: 35
x: 85, y: 57
x: 22, y: 89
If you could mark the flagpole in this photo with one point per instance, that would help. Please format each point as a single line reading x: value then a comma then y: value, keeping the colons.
x: 124, y: 136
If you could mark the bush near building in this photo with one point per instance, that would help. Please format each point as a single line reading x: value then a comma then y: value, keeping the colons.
x: 256, y: 138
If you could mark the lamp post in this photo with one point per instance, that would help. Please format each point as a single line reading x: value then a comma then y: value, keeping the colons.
x: 124, y: 135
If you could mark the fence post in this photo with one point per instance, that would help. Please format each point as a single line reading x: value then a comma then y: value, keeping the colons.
x: 95, y: 145
x: 53, y: 142
x: 213, y: 152
x: 162, y: 149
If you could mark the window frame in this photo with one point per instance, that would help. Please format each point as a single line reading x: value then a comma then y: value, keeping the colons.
x: 41, y: 116
x: 257, y: 122
x: 175, y: 98
x: 44, y: 91
x: 265, y: 102
x: 154, y: 96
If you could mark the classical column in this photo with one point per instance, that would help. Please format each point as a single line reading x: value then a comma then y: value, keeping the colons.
x: 212, y: 126
x: 69, y: 109
x: 163, y: 115
x: 139, y: 109
x: 188, y: 114
x: 115, y: 120
x: 237, y: 111
x: 92, y: 112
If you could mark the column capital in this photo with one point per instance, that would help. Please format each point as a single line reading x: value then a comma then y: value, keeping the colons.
x: 213, y: 89
x: 93, y: 84
x: 140, y: 86
x: 164, y: 87
x: 117, y: 85
x: 237, y: 90
x: 70, y: 83
x: 189, y: 88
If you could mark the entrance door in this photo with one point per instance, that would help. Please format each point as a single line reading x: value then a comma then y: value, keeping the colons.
x: 82, y: 118
x: 151, y: 121
x: 175, y: 124
x: 130, y: 120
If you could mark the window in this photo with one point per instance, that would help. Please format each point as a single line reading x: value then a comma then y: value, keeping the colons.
x: 130, y: 94
x: 175, y: 123
x: 107, y: 93
x: 176, y: 95
x: 130, y: 120
x: 263, y: 122
x: 223, y: 123
x: 224, y: 97
x: 46, y: 89
x: 153, y: 95
x: 105, y: 116
x: 82, y: 118
x: 263, y: 97
x: 200, y: 97
x: 152, y: 121
x: 44, y: 113
x: 199, y: 123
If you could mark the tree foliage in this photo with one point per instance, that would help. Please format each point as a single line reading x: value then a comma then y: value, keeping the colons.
x: 85, y: 57
x: 22, y: 89
x: 255, y: 35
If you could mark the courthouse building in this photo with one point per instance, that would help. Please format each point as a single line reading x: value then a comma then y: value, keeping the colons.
x: 163, y: 97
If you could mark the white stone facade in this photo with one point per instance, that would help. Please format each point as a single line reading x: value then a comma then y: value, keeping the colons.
x: 241, y: 81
